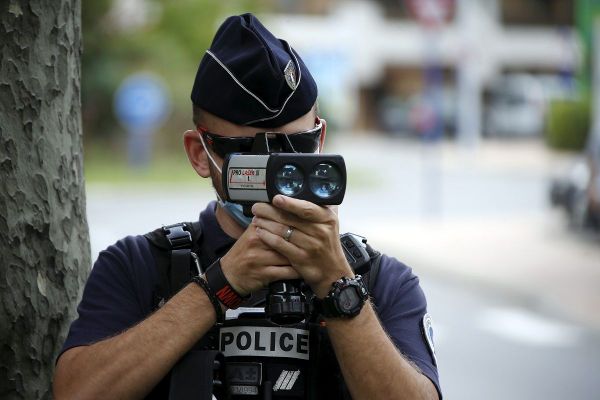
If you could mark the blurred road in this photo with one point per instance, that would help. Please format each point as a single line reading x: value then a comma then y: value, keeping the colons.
x: 481, y: 215
x: 493, y: 345
x: 513, y: 293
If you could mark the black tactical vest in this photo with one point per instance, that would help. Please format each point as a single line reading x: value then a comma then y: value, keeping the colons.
x: 178, y: 252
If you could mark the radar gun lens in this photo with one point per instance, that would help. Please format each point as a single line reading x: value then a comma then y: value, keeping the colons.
x: 289, y: 180
x: 325, y: 180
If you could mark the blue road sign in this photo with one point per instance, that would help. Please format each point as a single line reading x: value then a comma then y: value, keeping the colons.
x: 141, y: 103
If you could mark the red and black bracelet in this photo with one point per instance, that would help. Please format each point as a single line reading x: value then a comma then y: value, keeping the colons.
x: 200, y: 281
x: 220, y: 286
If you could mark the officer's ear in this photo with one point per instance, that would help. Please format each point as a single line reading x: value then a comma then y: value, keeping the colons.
x: 196, y: 153
x: 323, y: 134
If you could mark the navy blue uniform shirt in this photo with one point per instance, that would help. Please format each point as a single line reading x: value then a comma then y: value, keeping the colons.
x: 119, y: 294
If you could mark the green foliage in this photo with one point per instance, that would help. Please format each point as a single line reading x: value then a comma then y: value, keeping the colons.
x: 170, y: 46
x: 568, y: 124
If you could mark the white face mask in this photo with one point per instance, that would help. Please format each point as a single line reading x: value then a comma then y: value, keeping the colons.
x: 235, y: 211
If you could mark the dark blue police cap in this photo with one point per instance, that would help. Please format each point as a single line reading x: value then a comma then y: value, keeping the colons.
x: 249, y: 77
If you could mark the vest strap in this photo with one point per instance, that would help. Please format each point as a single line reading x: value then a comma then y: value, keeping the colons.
x: 178, y: 235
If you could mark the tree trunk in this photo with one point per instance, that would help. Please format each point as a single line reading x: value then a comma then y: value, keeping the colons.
x: 44, y: 243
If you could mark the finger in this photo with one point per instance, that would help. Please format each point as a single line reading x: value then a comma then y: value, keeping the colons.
x: 271, y: 257
x: 299, y: 237
x: 279, y: 229
x: 274, y: 227
x: 279, y: 244
x: 305, y: 210
x: 267, y: 211
x: 279, y: 273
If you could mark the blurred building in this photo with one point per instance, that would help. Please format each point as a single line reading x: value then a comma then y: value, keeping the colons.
x: 385, y: 65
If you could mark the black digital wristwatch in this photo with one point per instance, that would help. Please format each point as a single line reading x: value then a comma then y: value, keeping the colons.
x: 345, y: 299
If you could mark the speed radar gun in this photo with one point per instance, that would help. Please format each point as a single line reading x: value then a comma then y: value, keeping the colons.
x: 266, y: 171
x: 273, y: 167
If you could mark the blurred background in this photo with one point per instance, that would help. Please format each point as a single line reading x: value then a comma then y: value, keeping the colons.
x: 470, y: 132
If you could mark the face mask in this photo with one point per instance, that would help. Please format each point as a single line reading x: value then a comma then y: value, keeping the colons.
x: 235, y: 211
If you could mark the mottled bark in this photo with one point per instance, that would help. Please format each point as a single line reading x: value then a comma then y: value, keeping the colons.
x: 44, y: 244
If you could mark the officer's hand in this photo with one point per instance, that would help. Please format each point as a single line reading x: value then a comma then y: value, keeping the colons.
x: 313, y: 249
x: 251, y: 265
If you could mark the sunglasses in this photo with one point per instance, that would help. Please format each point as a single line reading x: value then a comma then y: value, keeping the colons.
x: 275, y: 142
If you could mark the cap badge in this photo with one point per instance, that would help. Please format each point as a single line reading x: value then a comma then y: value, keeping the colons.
x: 290, y: 75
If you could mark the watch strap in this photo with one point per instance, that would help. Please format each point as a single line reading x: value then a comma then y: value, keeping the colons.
x: 328, y: 306
x: 221, y: 287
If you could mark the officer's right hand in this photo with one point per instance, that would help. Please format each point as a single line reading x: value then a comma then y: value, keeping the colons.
x: 250, y: 265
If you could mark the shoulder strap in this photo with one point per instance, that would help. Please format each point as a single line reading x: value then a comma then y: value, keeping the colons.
x: 160, y: 239
x: 172, y: 248
x: 371, y: 269
x: 373, y: 272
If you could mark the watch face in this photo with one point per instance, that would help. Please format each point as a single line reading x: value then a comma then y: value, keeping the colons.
x: 348, y: 299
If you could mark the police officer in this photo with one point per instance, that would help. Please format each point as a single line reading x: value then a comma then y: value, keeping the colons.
x: 247, y: 82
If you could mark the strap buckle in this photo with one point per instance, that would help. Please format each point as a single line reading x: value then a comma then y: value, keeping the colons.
x: 178, y: 236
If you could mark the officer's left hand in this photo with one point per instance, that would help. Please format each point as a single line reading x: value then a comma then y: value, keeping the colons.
x: 314, y: 248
